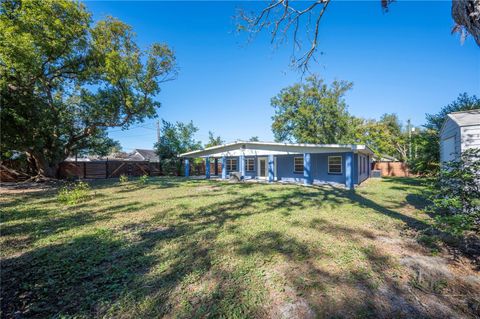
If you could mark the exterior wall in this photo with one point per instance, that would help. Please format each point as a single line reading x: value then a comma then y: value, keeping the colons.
x: 319, y: 167
x: 248, y: 174
x: 284, y: 168
x: 360, y: 174
x: 251, y: 174
x: 392, y: 169
x: 450, y: 129
x: 470, y: 137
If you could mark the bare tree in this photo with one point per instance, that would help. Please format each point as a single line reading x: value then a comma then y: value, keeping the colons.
x: 299, y: 19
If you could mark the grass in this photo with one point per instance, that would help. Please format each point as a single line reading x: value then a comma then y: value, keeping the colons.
x: 194, y: 248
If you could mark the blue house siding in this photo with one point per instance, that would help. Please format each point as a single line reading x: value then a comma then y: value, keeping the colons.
x: 362, y: 167
x: 318, y: 166
x: 319, y: 169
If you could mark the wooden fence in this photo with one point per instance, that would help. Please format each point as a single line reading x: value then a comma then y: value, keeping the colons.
x: 107, y: 169
x: 112, y: 169
x: 392, y: 168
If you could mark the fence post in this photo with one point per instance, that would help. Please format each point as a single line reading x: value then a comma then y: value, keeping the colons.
x: 85, y: 170
x: 106, y: 168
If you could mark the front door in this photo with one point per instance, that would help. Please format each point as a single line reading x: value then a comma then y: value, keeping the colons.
x: 262, y: 167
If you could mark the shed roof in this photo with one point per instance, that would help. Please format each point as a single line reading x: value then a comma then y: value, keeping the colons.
x: 466, y: 118
x: 266, y: 148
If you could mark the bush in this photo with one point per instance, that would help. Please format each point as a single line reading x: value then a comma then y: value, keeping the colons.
x: 143, y: 179
x: 456, y: 193
x: 123, y: 179
x: 74, y: 193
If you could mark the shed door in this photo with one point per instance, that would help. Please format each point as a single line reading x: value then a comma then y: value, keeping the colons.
x: 448, y: 149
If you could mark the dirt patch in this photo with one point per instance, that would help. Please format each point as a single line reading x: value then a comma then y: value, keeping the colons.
x: 207, y: 188
x: 442, y: 285
x: 28, y: 187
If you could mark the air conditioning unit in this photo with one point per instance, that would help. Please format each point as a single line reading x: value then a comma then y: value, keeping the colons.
x: 376, y: 173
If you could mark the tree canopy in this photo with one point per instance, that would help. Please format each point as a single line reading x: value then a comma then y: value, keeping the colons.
x: 175, y: 139
x: 214, y: 140
x: 65, y: 80
x: 314, y: 112
x: 311, y: 112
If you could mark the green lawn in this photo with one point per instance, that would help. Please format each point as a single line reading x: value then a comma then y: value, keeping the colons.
x: 196, y: 248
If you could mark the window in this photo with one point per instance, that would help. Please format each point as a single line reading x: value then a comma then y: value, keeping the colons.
x: 231, y: 164
x: 334, y: 164
x: 298, y: 164
x: 250, y: 164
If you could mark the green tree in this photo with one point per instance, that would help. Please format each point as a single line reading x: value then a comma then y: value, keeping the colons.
x: 385, y: 136
x: 311, y: 112
x: 64, y: 80
x: 214, y: 140
x: 456, y: 193
x: 254, y: 139
x: 176, y: 138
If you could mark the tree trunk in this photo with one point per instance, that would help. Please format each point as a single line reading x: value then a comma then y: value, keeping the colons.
x: 43, y: 167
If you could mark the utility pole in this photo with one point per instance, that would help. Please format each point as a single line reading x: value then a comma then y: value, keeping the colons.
x: 409, y: 139
x: 158, y: 131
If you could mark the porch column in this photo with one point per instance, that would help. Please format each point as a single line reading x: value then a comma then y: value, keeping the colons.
x: 207, y: 167
x: 271, y: 168
x: 241, y: 163
x: 187, y: 167
x: 224, y: 167
x: 307, y: 169
x: 349, y: 170
x: 216, y: 166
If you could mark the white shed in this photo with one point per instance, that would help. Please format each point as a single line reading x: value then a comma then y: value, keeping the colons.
x: 460, y: 132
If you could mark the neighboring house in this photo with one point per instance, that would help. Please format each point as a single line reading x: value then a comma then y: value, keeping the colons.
x: 460, y: 132
x: 301, y: 163
x: 144, y: 155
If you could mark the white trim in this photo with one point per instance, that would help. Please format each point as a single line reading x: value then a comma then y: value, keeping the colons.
x: 266, y: 167
x: 266, y: 148
x: 236, y: 164
x: 246, y: 164
x: 303, y: 165
x: 341, y: 164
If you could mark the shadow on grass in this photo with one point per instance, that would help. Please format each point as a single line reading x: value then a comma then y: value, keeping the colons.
x: 73, y: 278
x: 147, y: 266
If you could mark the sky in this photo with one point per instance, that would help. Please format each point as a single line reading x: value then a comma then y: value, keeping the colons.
x: 405, y: 61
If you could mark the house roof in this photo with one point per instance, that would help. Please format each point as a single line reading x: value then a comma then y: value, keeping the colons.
x: 466, y: 118
x: 385, y: 158
x: 144, y: 155
x: 273, y: 148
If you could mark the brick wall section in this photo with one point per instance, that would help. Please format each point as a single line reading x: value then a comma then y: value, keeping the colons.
x: 399, y: 169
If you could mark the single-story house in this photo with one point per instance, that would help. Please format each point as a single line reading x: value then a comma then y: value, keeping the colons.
x: 144, y: 155
x: 460, y: 131
x: 347, y: 164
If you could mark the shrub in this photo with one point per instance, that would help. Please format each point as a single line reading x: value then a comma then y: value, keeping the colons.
x: 456, y: 193
x: 143, y: 179
x: 123, y: 179
x: 74, y: 193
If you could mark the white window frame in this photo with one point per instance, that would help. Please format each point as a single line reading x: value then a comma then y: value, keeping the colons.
x: 341, y: 164
x: 249, y: 161
x: 230, y: 166
x: 294, y: 165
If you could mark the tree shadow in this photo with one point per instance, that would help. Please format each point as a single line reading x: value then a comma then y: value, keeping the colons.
x: 153, y: 261
x: 73, y: 278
